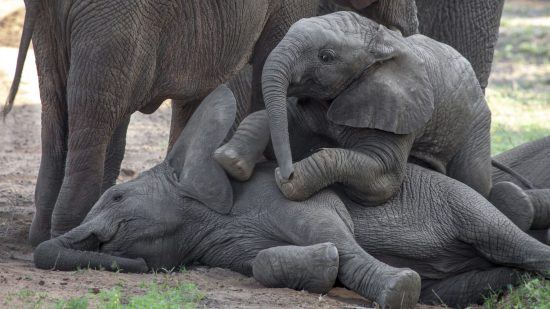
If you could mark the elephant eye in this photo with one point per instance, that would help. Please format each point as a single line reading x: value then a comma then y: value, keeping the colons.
x: 117, y: 197
x: 327, y: 55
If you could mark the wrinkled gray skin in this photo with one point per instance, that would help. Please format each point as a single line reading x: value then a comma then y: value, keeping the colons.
x: 100, y: 61
x: 469, y: 26
x: 459, y: 244
x: 531, y: 212
x: 165, y: 218
x: 395, y: 14
x: 386, y: 97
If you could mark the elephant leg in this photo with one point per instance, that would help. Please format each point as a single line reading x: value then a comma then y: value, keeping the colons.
x: 115, y: 155
x: 251, y: 139
x: 312, y: 268
x: 181, y: 112
x: 359, y: 271
x: 499, y: 240
x: 52, y: 165
x: 541, y: 235
x: 240, y: 154
x: 94, y: 112
x: 472, y: 164
x: 528, y: 209
x: 514, y: 203
x: 241, y: 86
x: 468, y: 288
x: 88, y: 140
x: 540, y: 198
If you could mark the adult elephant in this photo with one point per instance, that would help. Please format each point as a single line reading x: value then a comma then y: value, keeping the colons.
x: 100, y: 61
x: 462, y: 247
x: 469, y: 26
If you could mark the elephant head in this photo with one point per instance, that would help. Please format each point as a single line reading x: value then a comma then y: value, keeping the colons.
x: 132, y: 222
x: 374, y: 77
x: 396, y: 14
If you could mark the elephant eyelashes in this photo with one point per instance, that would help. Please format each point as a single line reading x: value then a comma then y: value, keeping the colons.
x: 327, y: 56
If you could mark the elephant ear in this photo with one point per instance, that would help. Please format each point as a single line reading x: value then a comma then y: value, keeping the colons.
x: 200, y: 176
x: 393, y: 95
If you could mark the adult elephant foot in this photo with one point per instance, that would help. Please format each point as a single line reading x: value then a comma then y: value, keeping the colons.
x: 312, y: 268
x: 514, y: 203
x: 39, y: 232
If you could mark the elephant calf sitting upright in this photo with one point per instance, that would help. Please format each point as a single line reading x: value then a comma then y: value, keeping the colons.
x: 186, y: 210
x: 389, y: 98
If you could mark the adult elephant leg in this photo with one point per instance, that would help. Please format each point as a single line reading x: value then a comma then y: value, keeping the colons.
x: 52, y: 165
x: 470, y: 26
x: 87, y: 146
x: 468, y: 288
x: 472, y: 164
x: 115, y: 155
x: 181, y: 112
x: 287, y: 13
x: 94, y: 112
x: 311, y: 268
x: 52, y: 81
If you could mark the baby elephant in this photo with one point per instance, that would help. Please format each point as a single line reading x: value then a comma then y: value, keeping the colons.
x: 384, y: 96
x: 186, y: 210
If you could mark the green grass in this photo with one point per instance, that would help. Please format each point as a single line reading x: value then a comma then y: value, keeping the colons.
x: 183, y: 295
x: 519, y: 98
x: 519, y: 89
x: 150, y: 295
x: 534, y: 293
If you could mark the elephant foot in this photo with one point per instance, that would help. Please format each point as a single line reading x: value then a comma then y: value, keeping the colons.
x: 402, y: 290
x: 514, y: 203
x: 312, y: 268
x: 38, y: 232
x: 234, y: 164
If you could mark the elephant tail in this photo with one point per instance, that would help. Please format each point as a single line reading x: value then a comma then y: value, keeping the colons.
x: 524, y: 181
x: 31, y: 12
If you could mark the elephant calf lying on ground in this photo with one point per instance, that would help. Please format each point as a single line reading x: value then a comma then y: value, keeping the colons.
x: 450, y: 235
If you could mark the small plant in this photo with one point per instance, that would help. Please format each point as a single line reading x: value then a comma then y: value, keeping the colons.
x: 533, y: 293
x: 157, y: 295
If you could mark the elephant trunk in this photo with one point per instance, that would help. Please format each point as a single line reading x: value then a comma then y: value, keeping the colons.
x: 78, y: 249
x: 276, y: 78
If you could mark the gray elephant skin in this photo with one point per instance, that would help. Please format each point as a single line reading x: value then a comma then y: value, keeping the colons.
x: 469, y: 26
x: 100, y: 61
x: 447, y: 233
x: 387, y: 97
